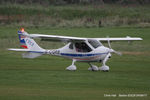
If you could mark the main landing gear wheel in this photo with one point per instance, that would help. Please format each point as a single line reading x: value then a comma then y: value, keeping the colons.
x: 104, y: 68
x: 72, y: 67
x: 93, y: 68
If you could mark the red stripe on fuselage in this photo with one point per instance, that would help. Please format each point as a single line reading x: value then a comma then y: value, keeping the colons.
x: 24, y: 46
x: 91, y: 58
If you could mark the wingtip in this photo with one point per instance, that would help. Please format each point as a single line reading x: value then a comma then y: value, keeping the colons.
x: 140, y: 39
x: 8, y: 48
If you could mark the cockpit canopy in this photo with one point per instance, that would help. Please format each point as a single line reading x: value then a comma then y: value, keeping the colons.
x: 82, y: 47
x: 85, y: 46
x: 94, y: 43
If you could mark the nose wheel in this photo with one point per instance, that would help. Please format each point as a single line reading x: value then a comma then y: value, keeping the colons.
x: 104, y: 67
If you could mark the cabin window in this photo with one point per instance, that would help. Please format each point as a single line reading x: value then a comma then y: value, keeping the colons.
x: 82, y: 47
x: 71, y: 46
x: 95, y: 43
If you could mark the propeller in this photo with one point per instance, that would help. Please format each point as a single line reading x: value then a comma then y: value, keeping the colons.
x: 112, y: 50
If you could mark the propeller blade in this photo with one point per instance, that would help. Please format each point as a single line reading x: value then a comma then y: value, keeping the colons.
x: 116, y: 52
x: 109, y: 42
x: 112, y: 50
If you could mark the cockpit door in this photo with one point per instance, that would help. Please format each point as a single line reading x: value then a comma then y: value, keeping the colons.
x: 82, y: 47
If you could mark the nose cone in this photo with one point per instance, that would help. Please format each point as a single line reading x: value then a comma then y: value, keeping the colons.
x: 106, y: 49
x: 111, y: 50
x: 103, y: 49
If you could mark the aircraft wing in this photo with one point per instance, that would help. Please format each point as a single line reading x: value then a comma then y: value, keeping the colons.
x: 119, y: 39
x: 76, y: 39
x: 57, y: 38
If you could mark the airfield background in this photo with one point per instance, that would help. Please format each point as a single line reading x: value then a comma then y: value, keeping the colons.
x: 45, y: 78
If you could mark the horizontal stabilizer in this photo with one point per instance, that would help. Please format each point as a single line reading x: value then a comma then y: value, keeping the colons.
x: 13, y: 49
x: 31, y: 55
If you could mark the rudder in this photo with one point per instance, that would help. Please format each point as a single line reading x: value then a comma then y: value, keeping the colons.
x: 28, y: 43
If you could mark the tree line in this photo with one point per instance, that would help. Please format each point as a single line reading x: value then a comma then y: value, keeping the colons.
x: 63, y: 2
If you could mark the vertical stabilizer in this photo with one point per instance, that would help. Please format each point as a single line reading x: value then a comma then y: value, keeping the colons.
x: 28, y: 43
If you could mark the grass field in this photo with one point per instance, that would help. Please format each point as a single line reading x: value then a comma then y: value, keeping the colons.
x: 45, y: 78
x: 74, y: 15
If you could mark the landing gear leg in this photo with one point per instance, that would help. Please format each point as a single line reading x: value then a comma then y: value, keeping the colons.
x: 93, y: 67
x: 104, y: 67
x: 72, y: 67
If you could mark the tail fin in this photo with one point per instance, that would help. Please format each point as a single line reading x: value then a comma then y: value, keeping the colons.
x: 28, y: 43
x: 31, y: 48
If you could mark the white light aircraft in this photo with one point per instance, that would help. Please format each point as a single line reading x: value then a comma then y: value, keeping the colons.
x: 77, y: 49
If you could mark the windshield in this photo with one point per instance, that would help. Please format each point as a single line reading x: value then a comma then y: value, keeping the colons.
x: 95, y: 43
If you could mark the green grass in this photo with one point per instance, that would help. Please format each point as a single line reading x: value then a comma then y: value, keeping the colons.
x: 45, y: 78
x: 74, y: 15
